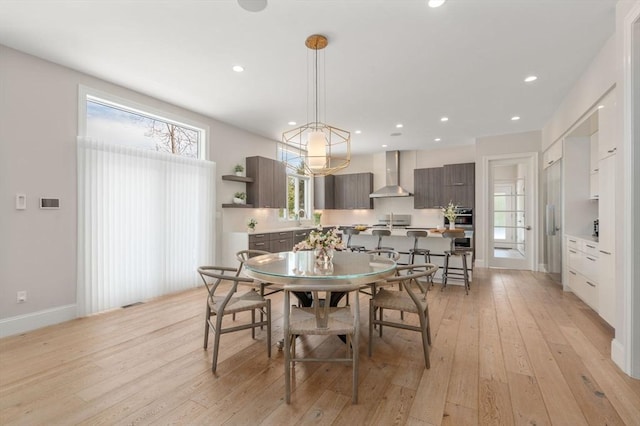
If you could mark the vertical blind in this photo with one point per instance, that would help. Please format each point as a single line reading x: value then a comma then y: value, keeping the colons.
x: 145, y: 223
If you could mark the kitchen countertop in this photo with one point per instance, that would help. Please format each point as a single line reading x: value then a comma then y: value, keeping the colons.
x: 396, y: 232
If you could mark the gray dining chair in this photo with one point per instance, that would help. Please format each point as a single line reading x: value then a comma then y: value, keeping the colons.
x: 223, y: 299
x: 325, y: 320
x: 411, y: 297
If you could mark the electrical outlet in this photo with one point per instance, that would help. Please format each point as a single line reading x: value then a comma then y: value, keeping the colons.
x: 22, y: 297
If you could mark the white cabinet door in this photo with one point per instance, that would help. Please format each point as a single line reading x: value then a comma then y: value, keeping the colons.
x: 607, y: 204
x: 607, y: 287
x: 607, y: 240
x: 607, y: 135
x: 594, y: 153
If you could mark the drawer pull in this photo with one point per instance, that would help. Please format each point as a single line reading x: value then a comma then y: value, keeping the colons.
x: 593, y: 247
x: 605, y: 252
x: 550, y: 162
x: 259, y: 244
x: 591, y: 284
x: 611, y: 151
x: 458, y: 184
x: 572, y: 241
x: 573, y: 273
x: 591, y: 259
x: 573, y: 251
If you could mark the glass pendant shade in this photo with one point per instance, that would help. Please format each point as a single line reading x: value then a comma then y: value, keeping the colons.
x: 316, y: 151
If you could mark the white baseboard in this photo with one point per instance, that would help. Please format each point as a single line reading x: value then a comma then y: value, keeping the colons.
x: 542, y: 267
x: 480, y: 263
x: 617, y: 354
x: 35, y: 320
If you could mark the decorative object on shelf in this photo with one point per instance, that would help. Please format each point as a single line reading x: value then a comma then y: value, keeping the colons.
x: 316, y: 147
x: 316, y: 218
x: 239, y: 198
x: 251, y: 224
x: 451, y: 213
x: 323, y: 245
x: 238, y: 169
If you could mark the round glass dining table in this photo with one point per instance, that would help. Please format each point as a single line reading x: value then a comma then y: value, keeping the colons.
x: 301, y: 267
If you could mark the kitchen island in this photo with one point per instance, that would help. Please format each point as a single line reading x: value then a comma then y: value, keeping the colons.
x: 236, y: 241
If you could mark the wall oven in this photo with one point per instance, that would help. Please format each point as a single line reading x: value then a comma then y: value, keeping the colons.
x: 464, y: 220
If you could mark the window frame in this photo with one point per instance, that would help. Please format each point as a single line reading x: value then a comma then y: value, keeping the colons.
x: 85, y: 93
x: 298, y: 178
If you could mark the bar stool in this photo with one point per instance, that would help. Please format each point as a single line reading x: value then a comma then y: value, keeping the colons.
x: 350, y: 232
x: 380, y: 233
x: 455, y: 251
x: 418, y: 251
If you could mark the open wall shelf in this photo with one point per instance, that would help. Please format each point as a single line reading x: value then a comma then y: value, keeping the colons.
x: 237, y: 178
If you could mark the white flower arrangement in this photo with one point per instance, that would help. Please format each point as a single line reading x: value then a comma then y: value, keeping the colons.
x: 251, y: 223
x: 329, y: 240
x: 450, y: 212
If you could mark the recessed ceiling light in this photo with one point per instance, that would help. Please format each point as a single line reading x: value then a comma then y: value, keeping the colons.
x: 385, y: 145
x: 399, y: 126
x: 530, y: 79
x: 436, y: 3
x: 515, y: 118
x: 600, y: 106
x: 443, y: 119
x: 292, y: 123
x: 253, y: 5
x: 237, y: 68
x: 357, y: 132
x: 437, y: 140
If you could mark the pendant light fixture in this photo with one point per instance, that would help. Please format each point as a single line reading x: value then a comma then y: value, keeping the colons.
x: 315, y: 148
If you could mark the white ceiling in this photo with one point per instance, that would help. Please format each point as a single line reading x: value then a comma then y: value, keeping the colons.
x: 388, y: 61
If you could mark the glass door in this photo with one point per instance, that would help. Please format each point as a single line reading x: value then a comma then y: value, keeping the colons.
x: 552, y: 221
x: 510, y: 201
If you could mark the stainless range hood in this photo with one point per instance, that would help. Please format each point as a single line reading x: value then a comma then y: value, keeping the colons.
x: 392, y: 188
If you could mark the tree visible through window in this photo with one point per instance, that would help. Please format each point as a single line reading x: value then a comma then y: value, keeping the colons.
x: 119, y: 125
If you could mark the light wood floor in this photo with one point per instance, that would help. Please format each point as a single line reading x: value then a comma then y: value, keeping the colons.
x: 516, y: 350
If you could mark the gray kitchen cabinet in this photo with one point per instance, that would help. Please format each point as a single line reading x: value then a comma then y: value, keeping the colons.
x: 351, y: 191
x: 427, y: 185
x: 272, y: 241
x: 269, y: 188
x: 459, y: 184
x: 323, y: 192
x: 299, y: 236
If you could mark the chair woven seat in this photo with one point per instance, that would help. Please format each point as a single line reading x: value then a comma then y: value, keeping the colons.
x: 303, y: 321
x: 396, y: 300
x: 244, y: 302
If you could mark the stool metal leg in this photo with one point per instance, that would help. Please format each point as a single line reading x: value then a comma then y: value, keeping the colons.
x: 446, y: 270
x: 465, y: 272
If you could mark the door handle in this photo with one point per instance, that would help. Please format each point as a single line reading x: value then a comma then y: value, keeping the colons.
x: 528, y: 227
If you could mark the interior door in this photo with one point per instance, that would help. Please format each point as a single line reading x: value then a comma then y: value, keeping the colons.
x: 511, y: 187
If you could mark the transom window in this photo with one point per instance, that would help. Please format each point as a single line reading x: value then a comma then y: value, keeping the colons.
x: 122, y: 123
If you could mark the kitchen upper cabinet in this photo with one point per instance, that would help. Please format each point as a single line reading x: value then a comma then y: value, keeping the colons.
x: 323, y: 192
x: 351, y: 191
x: 459, y: 184
x: 427, y: 185
x: 552, y: 154
x: 269, y: 186
x: 607, y: 139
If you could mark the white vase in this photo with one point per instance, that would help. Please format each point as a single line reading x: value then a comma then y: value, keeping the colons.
x: 452, y: 225
x: 239, y: 173
x: 238, y: 200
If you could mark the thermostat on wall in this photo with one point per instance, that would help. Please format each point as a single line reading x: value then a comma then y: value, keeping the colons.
x: 49, y: 203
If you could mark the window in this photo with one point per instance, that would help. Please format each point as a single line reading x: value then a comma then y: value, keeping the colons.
x: 298, y: 198
x: 120, y: 122
x: 145, y: 203
x: 298, y: 192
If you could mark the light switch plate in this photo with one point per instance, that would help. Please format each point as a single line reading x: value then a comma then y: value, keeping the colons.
x: 21, y: 202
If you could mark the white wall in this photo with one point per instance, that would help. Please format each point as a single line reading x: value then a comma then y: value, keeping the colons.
x: 38, y: 128
x: 596, y: 80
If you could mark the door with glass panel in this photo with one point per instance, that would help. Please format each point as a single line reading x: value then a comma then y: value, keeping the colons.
x: 510, y: 219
